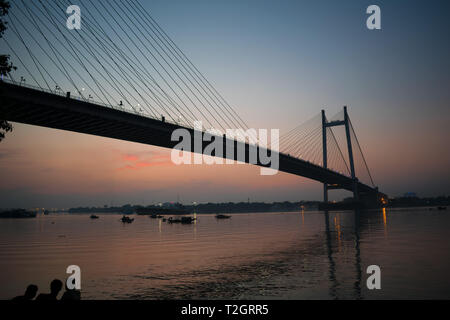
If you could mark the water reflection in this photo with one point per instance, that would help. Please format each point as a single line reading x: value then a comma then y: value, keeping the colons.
x: 355, y: 235
x: 332, y: 266
x: 385, y: 222
x: 299, y: 255
x: 357, y: 284
x: 357, y: 252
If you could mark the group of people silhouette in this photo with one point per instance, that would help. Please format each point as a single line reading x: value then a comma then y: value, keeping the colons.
x: 55, y: 288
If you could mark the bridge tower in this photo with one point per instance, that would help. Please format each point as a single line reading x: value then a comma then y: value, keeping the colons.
x: 346, y: 124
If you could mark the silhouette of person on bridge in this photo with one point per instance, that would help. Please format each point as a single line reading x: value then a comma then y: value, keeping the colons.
x: 55, y: 288
x: 30, y: 293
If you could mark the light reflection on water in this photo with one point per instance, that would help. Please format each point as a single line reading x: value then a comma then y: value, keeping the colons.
x: 304, y: 255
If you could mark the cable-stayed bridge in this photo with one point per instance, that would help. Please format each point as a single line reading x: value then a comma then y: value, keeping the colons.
x: 121, y: 76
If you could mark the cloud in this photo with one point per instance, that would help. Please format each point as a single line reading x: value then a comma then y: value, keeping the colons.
x: 130, y: 157
x: 140, y: 160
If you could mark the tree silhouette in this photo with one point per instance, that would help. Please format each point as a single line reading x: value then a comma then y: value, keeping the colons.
x: 5, y: 66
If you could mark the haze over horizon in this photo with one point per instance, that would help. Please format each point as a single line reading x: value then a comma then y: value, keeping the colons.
x: 278, y: 63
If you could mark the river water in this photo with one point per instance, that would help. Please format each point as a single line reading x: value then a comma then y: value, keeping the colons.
x: 301, y: 255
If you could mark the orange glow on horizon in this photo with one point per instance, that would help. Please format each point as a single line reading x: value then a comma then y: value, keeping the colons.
x: 65, y: 163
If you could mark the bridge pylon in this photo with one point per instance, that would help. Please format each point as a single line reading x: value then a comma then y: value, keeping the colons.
x: 346, y: 123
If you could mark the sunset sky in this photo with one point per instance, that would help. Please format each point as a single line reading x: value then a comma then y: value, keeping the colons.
x: 278, y: 63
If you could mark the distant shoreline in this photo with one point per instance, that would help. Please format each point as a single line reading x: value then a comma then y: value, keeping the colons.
x: 255, y: 207
x: 249, y: 207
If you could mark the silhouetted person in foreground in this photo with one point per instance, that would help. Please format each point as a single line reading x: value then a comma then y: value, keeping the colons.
x: 30, y: 293
x: 71, y: 294
x: 55, y: 288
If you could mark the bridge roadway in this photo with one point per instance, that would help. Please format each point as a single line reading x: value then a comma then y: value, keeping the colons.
x: 31, y: 106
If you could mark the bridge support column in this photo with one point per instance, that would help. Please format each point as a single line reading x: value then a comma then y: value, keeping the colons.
x: 350, y: 154
x: 324, y: 148
x: 347, y: 125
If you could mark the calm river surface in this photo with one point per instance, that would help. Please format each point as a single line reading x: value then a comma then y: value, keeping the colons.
x: 251, y: 256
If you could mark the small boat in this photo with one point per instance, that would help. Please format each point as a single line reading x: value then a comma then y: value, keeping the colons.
x: 126, y: 219
x: 187, y: 220
x: 172, y: 220
x: 442, y: 208
x: 154, y: 216
x: 93, y: 216
x: 17, y: 214
x: 222, y: 216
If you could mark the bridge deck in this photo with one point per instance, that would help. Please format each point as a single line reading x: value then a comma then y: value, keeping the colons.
x: 35, y: 107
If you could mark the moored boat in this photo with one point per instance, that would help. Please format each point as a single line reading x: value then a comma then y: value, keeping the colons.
x: 222, y: 216
x: 182, y: 220
x: 126, y: 219
x: 187, y: 220
x: 17, y: 214
x: 172, y: 220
